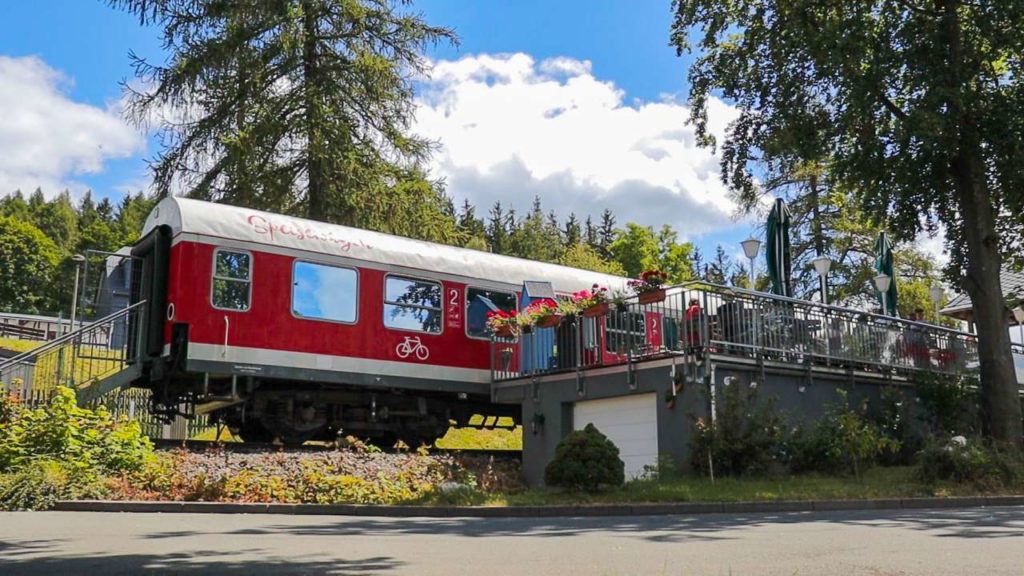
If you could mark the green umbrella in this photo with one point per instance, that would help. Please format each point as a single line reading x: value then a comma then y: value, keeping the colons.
x: 780, y: 260
x: 883, y: 265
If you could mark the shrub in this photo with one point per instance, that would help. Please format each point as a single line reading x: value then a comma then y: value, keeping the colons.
x: 949, y: 403
x: 986, y: 467
x: 585, y: 460
x: 665, y: 470
x: 40, y: 484
x: 90, y: 441
x: 745, y: 438
x: 844, y: 441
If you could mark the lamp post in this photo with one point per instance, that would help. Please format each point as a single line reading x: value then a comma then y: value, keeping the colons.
x: 882, y: 282
x: 822, y: 264
x: 936, y: 294
x: 77, y: 259
x: 751, y: 246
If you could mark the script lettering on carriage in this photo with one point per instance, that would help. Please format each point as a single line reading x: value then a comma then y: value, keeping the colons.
x: 274, y: 228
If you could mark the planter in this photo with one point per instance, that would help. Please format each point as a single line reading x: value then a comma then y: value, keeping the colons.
x: 505, y: 332
x: 651, y: 296
x: 549, y: 321
x: 596, y: 310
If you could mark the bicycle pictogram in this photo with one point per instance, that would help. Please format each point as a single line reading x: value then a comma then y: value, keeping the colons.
x: 412, y: 345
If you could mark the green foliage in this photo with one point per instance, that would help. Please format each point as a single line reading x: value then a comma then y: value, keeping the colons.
x: 909, y: 106
x: 845, y: 441
x: 38, y: 237
x: 332, y: 79
x: 585, y: 460
x: 40, y: 484
x: 87, y: 441
x: 745, y: 437
x: 949, y: 404
x: 27, y: 262
x: 664, y: 470
x: 984, y: 466
x: 584, y: 256
x: 637, y: 248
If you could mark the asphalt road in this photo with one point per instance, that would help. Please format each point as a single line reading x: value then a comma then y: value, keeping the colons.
x: 882, y: 543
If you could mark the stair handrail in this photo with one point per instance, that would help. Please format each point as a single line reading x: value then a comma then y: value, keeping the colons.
x: 70, y: 336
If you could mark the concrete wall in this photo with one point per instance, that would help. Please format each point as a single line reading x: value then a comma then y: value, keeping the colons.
x: 801, y: 395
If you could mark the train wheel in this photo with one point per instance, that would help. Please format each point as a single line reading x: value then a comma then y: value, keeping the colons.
x: 254, y: 432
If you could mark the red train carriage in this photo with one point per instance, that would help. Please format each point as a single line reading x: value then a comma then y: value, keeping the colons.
x: 297, y: 329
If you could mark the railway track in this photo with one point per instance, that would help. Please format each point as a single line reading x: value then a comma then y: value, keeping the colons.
x: 262, y: 447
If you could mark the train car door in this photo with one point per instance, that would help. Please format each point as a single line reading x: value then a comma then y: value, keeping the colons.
x: 149, y: 284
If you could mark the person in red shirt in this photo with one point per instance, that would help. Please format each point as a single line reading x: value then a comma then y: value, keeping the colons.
x: 693, y: 323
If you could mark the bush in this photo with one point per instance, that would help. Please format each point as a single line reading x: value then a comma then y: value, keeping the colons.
x: 585, y: 460
x: 90, y: 441
x: 745, y: 438
x: 40, y: 484
x: 950, y: 404
x: 986, y: 467
x: 844, y: 441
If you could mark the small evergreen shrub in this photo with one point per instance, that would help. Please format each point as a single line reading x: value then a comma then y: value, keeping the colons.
x: 986, y: 467
x: 585, y: 460
x: 745, y: 438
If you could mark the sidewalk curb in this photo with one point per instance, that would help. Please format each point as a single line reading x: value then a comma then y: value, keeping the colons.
x: 654, y: 509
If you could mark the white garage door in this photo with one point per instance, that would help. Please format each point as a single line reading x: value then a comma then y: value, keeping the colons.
x: 631, y: 422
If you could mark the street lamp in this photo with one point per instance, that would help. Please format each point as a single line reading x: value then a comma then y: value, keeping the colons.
x: 882, y: 282
x: 77, y: 259
x: 936, y: 293
x: 822, y: 264
x: 751, y: 246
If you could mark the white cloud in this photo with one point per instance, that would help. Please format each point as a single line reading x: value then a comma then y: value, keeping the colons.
x: 47, y: 139
x: 510, y: 128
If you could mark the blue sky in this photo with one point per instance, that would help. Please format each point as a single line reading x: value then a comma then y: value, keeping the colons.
x: 592, y: 95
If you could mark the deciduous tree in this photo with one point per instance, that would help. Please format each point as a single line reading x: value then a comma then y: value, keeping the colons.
x: 915, y: 105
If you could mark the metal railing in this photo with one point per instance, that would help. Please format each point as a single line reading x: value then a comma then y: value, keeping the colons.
x: 77, y: 359
x: 698, y: 318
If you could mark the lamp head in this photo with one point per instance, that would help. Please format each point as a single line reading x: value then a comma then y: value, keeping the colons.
x: 822, y: 264
x: 936, y: 293
x: 882, y: 282
x: 751, y: 246
x: 78, y: 258
x: 1018, y: 314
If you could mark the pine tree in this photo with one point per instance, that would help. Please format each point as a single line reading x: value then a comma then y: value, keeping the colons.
x: 497, y: 231
x: 296, y: 106
x: 606, y: 235
x: 572, y: 233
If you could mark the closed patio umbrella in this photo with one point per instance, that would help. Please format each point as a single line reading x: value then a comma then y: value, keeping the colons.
x: 884, y: 265
x: 778, y: 256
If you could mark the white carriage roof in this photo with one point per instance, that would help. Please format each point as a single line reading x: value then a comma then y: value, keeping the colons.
x: 188, y: 216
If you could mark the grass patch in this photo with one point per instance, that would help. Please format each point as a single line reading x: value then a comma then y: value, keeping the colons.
x: 19, y: 345
x: 895, y: 482
x: 475, y: 439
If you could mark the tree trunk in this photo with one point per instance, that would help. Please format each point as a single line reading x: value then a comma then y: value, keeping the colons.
x: 816, y: 227
x: 1001, y: 416
x: 316, y: 201
x: 1000, y: 399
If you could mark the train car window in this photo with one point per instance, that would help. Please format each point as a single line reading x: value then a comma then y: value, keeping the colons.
x: 624, y: 331
x: 324, y: 292
x: 411, y: 304
x: 479, y: 302
x: 232, y: 279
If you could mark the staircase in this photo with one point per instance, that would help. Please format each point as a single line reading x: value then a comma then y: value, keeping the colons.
x: 93, y: 360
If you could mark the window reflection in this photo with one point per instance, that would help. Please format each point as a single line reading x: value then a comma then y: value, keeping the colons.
x: 324, y: 292
x: 231, y: 280
x: 411, y: 304
x: 479, y: 302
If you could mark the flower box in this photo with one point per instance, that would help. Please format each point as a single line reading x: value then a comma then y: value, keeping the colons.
x: 596, y: 311
x: 505, y: 331
x: 549, y: 321
x: 651, y: 296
